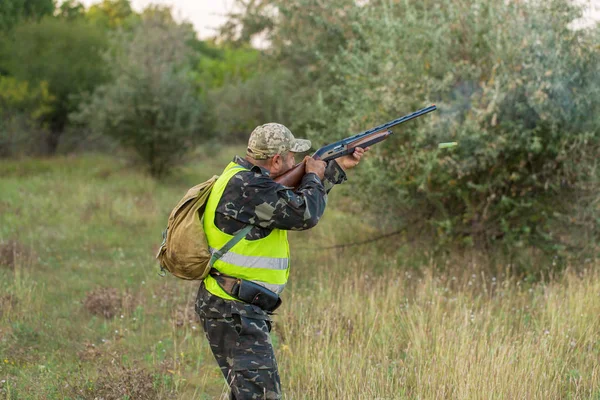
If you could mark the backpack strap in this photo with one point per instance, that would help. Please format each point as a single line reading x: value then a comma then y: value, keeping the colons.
x: 234, y: 240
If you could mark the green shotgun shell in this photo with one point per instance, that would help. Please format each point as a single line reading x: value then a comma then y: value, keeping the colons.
x: 447, y: 145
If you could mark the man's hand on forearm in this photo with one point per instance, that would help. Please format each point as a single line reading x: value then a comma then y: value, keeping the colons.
x: 351, y: 160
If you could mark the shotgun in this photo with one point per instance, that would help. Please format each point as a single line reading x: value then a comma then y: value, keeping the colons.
x: 293, y: 177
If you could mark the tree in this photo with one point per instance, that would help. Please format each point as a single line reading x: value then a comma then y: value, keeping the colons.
x: 150, y: 106
x: 13, y: 11
x: 71, y: 9
x: 112, y: 14
x: 66, y: 55
x: 228, y: 65
x: 241, y: 105
x: 22, y: 107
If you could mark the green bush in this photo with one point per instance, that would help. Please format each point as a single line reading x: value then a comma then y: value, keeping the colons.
x: 22, y: 108
x: 242, y: 90
x: 520, y: 96
x: 111, y: 14
x: 14, y: 11
x: 64, y: 53
x: 226, y: 65
x: 150, y: 106
x: 239, y: 107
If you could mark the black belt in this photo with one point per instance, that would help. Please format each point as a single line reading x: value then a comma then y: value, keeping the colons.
x: 247, y: 291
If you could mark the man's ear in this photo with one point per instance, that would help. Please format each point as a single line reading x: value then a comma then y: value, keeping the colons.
x: 277, y: 161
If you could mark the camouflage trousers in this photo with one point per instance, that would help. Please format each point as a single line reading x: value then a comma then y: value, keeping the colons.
x: 243, y: 349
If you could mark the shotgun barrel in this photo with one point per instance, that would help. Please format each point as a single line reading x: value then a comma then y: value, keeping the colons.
x: 347, y: 146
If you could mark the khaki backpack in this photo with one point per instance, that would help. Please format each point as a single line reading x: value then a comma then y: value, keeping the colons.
x: 184, y: 250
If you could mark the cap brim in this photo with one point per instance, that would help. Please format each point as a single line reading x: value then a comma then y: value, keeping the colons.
x: 300, y: 145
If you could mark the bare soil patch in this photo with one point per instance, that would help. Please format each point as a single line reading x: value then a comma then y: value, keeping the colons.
x: 7, y: 303
x: 90, y: 353
x: 108, y: 302
x: 116, y: 383
x: 126, y: 383
x: 185, y: 315
x: 13, y: 254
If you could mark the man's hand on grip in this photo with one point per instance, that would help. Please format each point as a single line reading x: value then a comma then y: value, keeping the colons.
x: 315, y: 166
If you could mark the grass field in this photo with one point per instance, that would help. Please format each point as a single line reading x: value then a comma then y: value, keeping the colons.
x: 84, y: 315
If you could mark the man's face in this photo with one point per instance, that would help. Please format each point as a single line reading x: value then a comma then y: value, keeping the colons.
x: 280, y: 164
x: 289, y: 162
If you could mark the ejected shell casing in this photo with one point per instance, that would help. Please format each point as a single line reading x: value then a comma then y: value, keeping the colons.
x: 447, y: 145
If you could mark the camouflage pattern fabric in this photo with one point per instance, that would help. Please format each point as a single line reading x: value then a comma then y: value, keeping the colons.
x: 252, y: 197
x: 272, y: 138
x: 239, y: 339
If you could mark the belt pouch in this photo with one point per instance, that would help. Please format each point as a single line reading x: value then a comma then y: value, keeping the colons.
x: 258, y: 295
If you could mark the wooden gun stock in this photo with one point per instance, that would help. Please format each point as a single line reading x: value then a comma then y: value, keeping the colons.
x: 293, y: 177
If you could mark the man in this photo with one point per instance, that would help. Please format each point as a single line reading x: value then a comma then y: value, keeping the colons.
x: 257, y: 267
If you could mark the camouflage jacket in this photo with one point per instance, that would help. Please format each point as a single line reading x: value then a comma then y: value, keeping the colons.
x: 253, y: 198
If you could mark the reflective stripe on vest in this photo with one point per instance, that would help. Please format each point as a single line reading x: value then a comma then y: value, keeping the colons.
x: 252, y: 261
x: 264, y: 261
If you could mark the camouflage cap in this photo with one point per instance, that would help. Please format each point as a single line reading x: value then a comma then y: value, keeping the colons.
x: 272, y: 138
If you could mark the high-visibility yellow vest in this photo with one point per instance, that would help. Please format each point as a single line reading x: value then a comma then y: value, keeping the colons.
x: 264, y: 261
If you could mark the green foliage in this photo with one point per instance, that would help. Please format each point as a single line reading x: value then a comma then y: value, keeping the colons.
x: 521, y: 98
x: 150, y: 105
x: 111, y: 14
x: 66, y: 55
x: 228, y: 65
x: 13, y: 11
x: 16, y: 96
x: 22, y: 108
x: 241, y: 106
x: 242, y: 93
x: 71, y: 9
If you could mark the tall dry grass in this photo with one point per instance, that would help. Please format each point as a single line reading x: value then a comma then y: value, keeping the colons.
x: 438, y: 336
